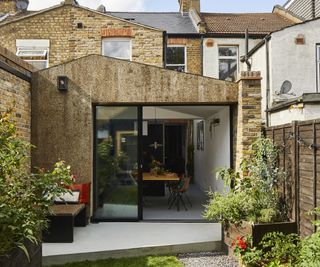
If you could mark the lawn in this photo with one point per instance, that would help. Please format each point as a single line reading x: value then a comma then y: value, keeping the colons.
x: 149, y: 261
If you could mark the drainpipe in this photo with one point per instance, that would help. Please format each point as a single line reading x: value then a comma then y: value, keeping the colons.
x: 201, y: 54
x: 267, y: 39
x: 247, y: 50
x: 313, y: 9
x: 165, y: 43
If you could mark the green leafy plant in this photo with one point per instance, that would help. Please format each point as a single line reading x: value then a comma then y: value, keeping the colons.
x: 156, y: 167
x: 281, y: 248
x: 276, y: 249
x: 24, y: 197
x: 257, y: 191
x: 310, y: 252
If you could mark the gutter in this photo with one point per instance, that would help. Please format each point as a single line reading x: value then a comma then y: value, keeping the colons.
x: 266, y: 40
x: 165, y: 44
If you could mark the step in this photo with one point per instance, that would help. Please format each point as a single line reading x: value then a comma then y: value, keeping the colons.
x: 117, y: 240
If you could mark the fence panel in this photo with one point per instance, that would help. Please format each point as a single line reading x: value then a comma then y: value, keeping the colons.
x: 298, y: 157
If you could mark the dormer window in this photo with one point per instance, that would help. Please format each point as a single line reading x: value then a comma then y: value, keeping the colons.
x: 35, y: 52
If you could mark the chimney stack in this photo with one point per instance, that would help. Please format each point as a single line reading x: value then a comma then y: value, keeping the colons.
x: 187, y: 5
x: 13, y: 6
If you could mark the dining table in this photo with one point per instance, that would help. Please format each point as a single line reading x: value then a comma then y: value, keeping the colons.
x: 154, y: 184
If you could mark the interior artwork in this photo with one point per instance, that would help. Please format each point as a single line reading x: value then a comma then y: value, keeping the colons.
x: 200, y: 135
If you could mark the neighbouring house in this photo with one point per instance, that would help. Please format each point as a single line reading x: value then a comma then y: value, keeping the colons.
x: 225, y: 39
x: 289, y: 60
x: 306, y: 9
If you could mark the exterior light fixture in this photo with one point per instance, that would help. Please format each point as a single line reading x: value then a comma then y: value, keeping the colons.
x: 63, y: 83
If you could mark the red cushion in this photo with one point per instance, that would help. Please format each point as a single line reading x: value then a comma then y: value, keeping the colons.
x: 84, y: 192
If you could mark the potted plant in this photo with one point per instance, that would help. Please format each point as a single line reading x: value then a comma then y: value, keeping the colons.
x: 24, y: 198
x: 253, y: 206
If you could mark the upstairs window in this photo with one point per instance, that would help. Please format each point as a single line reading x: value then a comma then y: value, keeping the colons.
x: 228, y: 63
x: 35, y: 52
x: 176, y: 58
x: 318, y: 67
x: 117, y: 48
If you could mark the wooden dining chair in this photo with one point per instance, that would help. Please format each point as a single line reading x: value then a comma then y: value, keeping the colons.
x: 179, y: 192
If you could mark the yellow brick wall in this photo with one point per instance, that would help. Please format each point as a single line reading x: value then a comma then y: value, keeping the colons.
x: 194, y: 56
x: 15, y: 92
x: 68, y: 42
x: 193, y: 46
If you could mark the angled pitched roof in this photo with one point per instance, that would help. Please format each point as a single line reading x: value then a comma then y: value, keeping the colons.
x: 26, y: 14
x: 233, y: 23
x: 172, y: 23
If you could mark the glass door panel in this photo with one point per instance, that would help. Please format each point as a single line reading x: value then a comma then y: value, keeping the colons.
x: 116, y: 163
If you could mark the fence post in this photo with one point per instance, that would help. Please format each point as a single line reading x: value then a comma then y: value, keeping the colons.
x: 295, y: 165
x: 314, y: 148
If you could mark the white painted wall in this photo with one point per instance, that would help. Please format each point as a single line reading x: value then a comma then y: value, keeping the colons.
x: 296, y: 63
x: 258, y: 61
x: 210, y: 54
x: 306, y: 112
x: 216, y: 152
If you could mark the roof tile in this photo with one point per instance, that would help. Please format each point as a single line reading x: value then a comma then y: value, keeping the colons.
x: 256, y: 23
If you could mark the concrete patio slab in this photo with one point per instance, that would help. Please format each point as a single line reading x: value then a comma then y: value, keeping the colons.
x: 115, y: 240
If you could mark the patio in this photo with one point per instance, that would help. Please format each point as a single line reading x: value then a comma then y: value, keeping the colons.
x: 116, y: 240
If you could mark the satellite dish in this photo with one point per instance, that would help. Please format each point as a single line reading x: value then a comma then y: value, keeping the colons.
x: 285, y: 87
x: 22, y: 4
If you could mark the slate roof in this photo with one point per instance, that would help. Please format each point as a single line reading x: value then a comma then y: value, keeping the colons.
x: 4, y: 18
x: 172, y: 23
x: 233, y: 23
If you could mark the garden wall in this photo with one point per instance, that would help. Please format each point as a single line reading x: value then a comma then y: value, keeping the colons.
x: 15, y: 77
x: 299, y: 155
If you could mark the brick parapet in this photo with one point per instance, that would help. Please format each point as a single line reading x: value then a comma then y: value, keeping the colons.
x: 249, y: 114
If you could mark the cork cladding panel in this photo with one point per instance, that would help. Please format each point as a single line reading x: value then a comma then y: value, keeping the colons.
x: 68, y: 41
x: 62, y: 123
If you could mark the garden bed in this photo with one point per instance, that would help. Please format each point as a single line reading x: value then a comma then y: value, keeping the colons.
x: 256, y: 230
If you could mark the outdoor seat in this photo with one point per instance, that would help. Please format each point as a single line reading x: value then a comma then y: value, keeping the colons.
x: 68, y: 211
x: 179, y: 192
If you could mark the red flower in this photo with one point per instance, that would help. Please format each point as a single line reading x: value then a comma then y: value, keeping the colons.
x: 241, y: 243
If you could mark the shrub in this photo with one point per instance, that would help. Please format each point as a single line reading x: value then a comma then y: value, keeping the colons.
x: 24, y: 197
x: 257, y: 192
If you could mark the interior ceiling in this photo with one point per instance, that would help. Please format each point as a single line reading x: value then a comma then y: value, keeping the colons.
x: 199, y: 111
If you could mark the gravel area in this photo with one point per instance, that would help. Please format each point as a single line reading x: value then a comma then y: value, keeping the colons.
x: 207, y: 259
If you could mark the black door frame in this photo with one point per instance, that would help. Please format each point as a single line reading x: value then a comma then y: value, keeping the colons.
x: 139, y: 149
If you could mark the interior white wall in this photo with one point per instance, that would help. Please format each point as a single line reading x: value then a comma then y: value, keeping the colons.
x: 216, y: 153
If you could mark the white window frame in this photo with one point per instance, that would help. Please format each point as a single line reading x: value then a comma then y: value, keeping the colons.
x: 41, y: 45
x: 115, y: 39
x: 229, y: 57
x: 185, y: 65
x: 318, y: 66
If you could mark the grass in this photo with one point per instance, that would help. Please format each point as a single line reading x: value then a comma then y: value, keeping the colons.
x: 148, y: 261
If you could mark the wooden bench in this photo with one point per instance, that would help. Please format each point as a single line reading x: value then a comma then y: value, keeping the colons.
x: 64, y: 217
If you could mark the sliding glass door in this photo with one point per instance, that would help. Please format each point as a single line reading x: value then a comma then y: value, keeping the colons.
x: 116, y: 195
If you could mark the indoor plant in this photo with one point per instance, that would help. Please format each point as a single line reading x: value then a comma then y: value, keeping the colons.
x: 24, y: 198
x: 253, y: 205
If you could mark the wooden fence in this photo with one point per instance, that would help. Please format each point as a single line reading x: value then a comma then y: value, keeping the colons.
x: 298, y: 156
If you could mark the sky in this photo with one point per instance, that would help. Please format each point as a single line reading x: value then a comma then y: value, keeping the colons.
x: 168, y: 5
